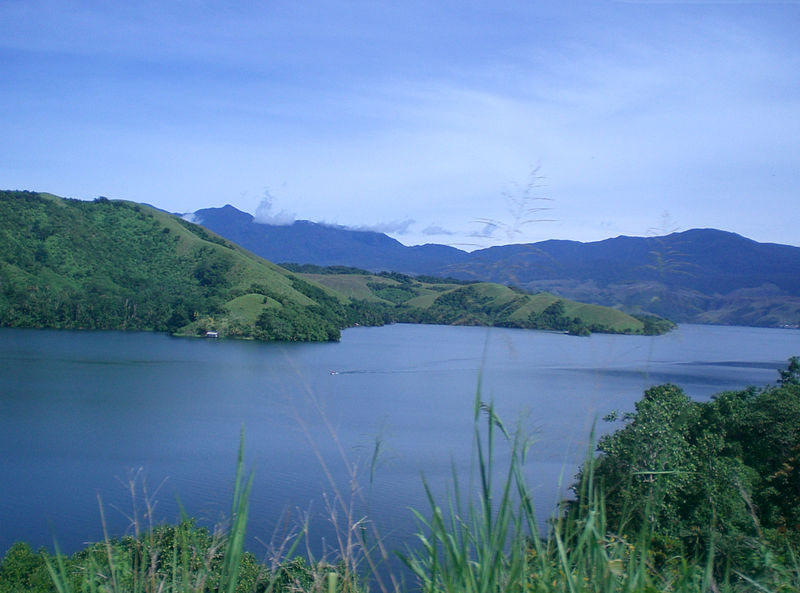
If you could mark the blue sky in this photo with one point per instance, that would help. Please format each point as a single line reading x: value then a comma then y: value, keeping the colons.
x: 425, y: 120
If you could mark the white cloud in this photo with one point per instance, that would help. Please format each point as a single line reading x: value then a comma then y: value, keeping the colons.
x: 435, y: 229
x: 264, y: 212
x: 394, y: 227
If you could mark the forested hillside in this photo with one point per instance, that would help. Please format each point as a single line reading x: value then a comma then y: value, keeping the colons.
x: 119, y: 265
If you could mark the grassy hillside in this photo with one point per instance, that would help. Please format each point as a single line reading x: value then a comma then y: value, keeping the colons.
x: 119, y: 265
x: 428, y: 300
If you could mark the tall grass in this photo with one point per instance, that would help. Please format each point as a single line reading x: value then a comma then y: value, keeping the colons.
x: 481, y: 543
x: 176, y: 559
x: 488, y: 539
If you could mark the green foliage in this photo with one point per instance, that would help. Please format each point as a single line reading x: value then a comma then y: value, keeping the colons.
x: 202, y: 233
x: 315, y: 269
x: 180, y: 558
x: 326, y: 305
x: 320, y: 321
x: 648, y: 461
x: 655, y: 326
x: 397, y: 277
x: 290, y: 323
x: 474, y: 304
x: 443, y: 280
x: 22, y: 569
x: 362, y: 312
x: 717, y: 480
x: 349, y: 270
x: 485, y: 537
x: 554, y: 317
x: 394, y: 293
x: 791, y: 376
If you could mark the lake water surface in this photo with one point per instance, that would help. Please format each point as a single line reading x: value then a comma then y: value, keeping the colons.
x: 80, y: 412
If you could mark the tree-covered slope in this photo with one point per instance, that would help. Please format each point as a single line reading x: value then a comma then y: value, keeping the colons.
x: 422, y: 299
x: 119, y: 265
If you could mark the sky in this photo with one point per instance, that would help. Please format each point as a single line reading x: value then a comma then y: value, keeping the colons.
x: 456, y: 122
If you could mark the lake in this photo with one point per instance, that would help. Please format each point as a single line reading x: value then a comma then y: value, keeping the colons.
x: 82, y: 413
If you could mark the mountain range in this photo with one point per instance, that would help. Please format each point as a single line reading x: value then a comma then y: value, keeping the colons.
x: 695, y: 276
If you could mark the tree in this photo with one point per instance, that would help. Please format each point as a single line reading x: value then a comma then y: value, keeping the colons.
x: 717, y: 475
x: 791, y: 376
x: 646, y: 465
x: 22, y: 569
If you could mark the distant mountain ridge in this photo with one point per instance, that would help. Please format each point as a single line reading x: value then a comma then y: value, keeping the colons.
x: 699, y: 275
x: 324, y: 245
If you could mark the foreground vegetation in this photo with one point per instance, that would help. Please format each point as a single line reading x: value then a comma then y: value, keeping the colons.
x: 686, y: 497
x: 718, y: 480
x: 111, y: 264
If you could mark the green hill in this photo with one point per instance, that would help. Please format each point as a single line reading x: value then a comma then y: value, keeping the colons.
x: 119, y: 265
x: 424, y: 299
x: 112, y: 264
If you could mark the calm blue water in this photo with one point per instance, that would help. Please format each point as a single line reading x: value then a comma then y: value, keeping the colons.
x: 80, y: 413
